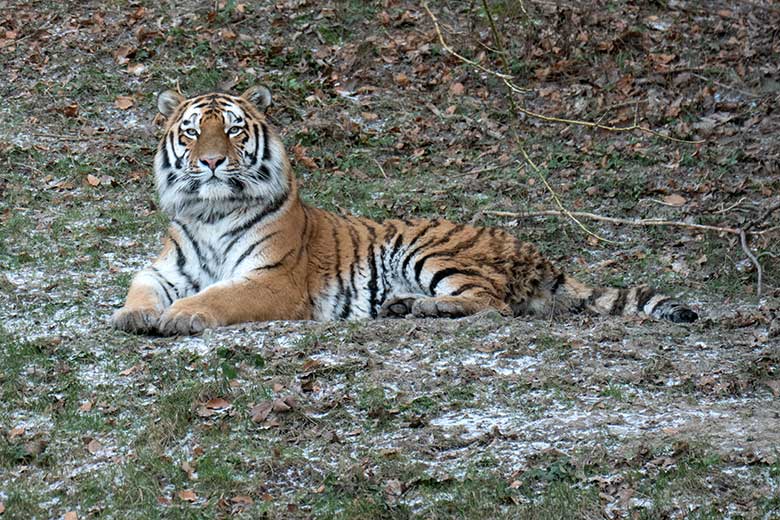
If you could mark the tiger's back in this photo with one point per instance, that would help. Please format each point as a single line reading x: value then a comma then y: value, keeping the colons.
x: 243, y: 247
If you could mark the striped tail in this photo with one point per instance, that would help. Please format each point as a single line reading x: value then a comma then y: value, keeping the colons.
x: 572, y: 295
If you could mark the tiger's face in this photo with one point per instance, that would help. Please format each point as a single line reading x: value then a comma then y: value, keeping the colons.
x: 218, y: 153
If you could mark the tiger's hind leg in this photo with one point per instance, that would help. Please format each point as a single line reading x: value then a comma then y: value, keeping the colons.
x: 421, y: 306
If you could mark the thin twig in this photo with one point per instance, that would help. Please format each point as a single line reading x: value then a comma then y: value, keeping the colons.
x: 514, y: 88
x: 558, y: 200
x: 749, y: 253
x: 499, y: 45
x: 625, y: 221
x: 454, y: 53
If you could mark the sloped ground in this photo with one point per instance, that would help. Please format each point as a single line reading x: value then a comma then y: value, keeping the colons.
x: 586, y: 417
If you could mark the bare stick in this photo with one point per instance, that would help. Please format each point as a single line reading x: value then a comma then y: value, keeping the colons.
x: 558, y: 200
x: 514, y: 88
x: 749, y: 253
x: 624, y: 221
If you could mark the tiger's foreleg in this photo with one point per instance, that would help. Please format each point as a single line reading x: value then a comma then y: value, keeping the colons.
x: 254, y: 298
x: 150, y: 294
x: 155, y: 289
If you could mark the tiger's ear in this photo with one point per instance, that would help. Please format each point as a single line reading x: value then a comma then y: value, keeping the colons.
x: 259, y: 95
x: 168, y: 101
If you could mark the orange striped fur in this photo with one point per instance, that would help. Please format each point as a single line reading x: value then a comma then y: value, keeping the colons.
x: 243, y: 247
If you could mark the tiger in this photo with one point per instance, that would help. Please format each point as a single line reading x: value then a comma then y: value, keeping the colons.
x: 243, y: 247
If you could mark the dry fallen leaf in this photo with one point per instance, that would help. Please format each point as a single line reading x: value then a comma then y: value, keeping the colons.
x: 242, y: 500
x: 94, y: 446
x: 132, y: 370
x: 217, y: 404
x: 402, y: 79
x: 300, y: 156
x: 16, y: 432
x: 457, y: 89
x: 85, y: 406
x: 71, y: 515
x: 71, y: 110
x: 137, y: 69
x: 187, y: 495
x: 92, y: 180
x: 124, y: 102
x: 260, y: 412
x: 675, y: 199
x: 2, y: 508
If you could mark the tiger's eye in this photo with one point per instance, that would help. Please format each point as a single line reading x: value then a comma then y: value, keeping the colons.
x: 191, y: 132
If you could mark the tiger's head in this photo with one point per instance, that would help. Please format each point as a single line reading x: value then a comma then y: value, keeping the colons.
x: 218, y: 154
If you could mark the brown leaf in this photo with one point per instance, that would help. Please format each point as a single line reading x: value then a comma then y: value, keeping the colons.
x: 369, y: 116
x: 16, y: 432
x: 310, y: 365
x: 86, y: 406
x: 217, y: 404
x: 123, y: 102
x: 394, y: 488
x: 675, y: 199
x: 457, y: 89
x: 187, y: 468
x: 122, y: 54
x: 71, y: 515
x: 132, y: 370
x: 92, y: 180
x: 242, y: 500
x: 187, y: 495
x: 300, y: 156
x: 260, y: 412
x: 71, y: 110
x: 2, y: 508
x: 281, y: 406
x: 94, y: 446
x: 136, y: 69
x: 402, y: 79
x: 774, y: 386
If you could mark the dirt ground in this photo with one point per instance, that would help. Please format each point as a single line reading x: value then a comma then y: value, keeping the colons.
x: 581, y: 417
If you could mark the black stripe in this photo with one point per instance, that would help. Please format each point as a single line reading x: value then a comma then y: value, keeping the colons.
x: 166, y: 163
x: 373, y: 287
x: 558, y: 282
x: 454, y: 250
x: 353, y: 265
x: 163, y: 281
x: 644, y: 295
x: 251, y: 248
x: 263, y: 173
x: 201, y: 259
x: 347, y: 295
x: 619, y: 303
x: 237, y: 232
x: 266, y: 144
x: 446, y: 272
x: 173, y: 151
x: 180, y: 263
x: 660, y: 302
x: 275, y: 264
x: 466, y: 287
x: 429, y: 243
x: 236, y: 184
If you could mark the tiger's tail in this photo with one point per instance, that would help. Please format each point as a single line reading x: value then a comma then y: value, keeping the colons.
x: 571, y: 295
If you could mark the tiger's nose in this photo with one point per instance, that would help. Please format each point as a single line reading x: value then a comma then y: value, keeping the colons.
x: 212, y: 161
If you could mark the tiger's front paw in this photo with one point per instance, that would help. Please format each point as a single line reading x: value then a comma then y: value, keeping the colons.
x: 136, y: 320
x: 181, y: 320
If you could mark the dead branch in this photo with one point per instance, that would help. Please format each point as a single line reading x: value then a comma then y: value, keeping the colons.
x: 742, y: 233
x: 506, y: 78
x: 623, y: 221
